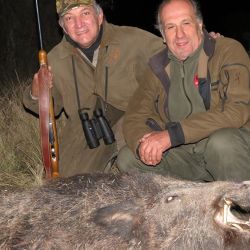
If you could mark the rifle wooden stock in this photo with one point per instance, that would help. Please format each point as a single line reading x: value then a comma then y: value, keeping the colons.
x: 54, y: 141
x: 48, y: 133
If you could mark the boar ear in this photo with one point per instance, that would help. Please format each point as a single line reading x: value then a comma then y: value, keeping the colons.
x: 122, y: 218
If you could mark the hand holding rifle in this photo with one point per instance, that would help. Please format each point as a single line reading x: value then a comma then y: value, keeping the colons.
x: 35, y: 83
x: 41, y: 90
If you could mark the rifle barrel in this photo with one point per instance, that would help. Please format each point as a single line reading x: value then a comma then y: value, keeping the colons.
x: 39, y: 25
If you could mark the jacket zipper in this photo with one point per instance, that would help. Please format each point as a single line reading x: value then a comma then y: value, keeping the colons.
x: 185, y: 92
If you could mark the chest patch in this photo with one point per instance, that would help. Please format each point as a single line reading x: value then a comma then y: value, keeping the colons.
x: 114, y: 56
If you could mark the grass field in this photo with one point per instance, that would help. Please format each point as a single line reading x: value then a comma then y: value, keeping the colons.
x: 20, y: 155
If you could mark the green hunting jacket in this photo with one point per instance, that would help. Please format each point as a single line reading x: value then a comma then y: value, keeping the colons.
x: 122, y: 58
x: 223, y: 85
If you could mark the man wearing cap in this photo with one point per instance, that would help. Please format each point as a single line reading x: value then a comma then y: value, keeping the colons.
x: 96, y: 65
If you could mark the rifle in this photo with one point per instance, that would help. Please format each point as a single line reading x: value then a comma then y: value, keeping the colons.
x: 48, y: 132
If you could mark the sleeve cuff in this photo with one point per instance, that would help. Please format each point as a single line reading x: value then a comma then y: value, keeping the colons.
x: 175, y: 133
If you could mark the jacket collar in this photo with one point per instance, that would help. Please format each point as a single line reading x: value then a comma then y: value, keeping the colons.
x: 159, y: 61
x: 109, y: 35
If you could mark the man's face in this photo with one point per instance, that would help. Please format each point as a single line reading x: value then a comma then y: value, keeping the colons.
x: 82, y: 24
x: 181, y: 29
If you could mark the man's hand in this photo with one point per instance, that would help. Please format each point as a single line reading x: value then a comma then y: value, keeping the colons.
x: 215, y: 34
x: 152, y: 146
x: 35, y: 83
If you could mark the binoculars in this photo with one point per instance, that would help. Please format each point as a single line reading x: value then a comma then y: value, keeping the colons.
x: 96, y: 128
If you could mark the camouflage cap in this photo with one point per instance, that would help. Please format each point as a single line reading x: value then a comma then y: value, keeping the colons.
x: 62, y: 6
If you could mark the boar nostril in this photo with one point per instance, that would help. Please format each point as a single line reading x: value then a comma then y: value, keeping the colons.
x: 240, y: 212
x: 233, y: 215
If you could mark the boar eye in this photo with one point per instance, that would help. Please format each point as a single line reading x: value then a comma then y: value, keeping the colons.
x: 171, y: 198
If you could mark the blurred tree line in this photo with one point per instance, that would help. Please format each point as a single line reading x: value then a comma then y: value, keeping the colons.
x: 19, y: 36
